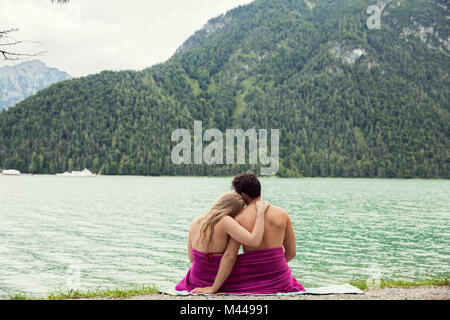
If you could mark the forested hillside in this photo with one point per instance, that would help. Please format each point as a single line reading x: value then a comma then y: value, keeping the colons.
x: 349, y: 101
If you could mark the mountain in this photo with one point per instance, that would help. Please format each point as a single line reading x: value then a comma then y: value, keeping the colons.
x: 349, y: 100
x: 25, y: 79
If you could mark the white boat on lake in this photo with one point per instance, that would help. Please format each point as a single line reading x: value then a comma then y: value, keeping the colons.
x: 11, y: 172
x: 84, y: 173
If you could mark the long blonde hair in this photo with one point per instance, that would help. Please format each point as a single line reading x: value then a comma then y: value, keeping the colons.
x: 229, y: 204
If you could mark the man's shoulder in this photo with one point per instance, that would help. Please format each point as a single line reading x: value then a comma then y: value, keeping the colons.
x: 243, y: 211
x: 278, y: 211
x: 243, y: 216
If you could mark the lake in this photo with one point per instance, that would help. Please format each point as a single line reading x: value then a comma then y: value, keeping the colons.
x: 123, y: 231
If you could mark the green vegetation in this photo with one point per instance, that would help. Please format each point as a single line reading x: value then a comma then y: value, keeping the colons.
x: 311, y: 5
x: 123, y: 293
x: 103, y: 293
x: 349, y: 101
x: 20, y: 296
x: 391, y: 283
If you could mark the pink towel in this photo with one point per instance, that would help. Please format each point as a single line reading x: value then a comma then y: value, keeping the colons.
x: 255, y: 272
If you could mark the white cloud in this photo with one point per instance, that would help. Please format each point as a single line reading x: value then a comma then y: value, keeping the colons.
x: 88, y: 36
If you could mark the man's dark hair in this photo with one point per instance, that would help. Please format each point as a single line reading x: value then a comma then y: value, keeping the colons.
x: 247, y: 183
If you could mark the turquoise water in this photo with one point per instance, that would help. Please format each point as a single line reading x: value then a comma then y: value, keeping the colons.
x: 123, y: 231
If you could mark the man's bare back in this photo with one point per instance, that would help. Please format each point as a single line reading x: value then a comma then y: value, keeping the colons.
x: 278, y: 230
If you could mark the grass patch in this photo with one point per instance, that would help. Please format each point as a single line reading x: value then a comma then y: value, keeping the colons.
x: 102, y: 293
x: 124, y: 293
x: 395, y: 283
x: 20, y: 296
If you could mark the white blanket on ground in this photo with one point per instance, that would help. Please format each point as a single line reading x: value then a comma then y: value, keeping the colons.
x: 334, y: 289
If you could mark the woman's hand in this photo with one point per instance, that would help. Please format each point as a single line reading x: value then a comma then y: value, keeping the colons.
x: 262, y: 206
x: 240, y: 234
x: 204, y: 290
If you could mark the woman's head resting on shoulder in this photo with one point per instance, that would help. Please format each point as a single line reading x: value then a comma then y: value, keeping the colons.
x: 229, y: 204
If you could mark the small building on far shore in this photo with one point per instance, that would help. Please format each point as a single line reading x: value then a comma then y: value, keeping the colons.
x: 11, y: 172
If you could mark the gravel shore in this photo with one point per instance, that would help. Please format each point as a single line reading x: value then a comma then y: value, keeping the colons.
x: 412, y: 293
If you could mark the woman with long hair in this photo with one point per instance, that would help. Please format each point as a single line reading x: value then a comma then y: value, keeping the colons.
x: 209, y: 234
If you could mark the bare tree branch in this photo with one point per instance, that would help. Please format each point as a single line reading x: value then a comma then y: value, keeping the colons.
x: 19, y: 42
x: 4, y: 34
x: 16, y: 56
x: 9, y: 55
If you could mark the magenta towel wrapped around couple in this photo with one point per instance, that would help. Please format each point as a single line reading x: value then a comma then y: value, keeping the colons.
x: 255, y: 272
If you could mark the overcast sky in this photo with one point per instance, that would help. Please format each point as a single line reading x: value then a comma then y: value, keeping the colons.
x: 88, y: 36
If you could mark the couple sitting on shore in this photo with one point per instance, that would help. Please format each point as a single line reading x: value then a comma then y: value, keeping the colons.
x: 264, y: 230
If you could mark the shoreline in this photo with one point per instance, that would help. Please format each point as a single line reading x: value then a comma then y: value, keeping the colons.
x: 427, y: 289
x: 393, y: 293
x: 231, y: 177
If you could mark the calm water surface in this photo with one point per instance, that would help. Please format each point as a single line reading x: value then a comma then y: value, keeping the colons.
x: 125, y: 231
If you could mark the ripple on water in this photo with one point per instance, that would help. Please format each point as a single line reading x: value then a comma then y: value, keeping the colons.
x: 124, y: 231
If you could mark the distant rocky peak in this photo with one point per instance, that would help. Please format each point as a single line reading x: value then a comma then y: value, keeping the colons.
x: 25, y: 79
